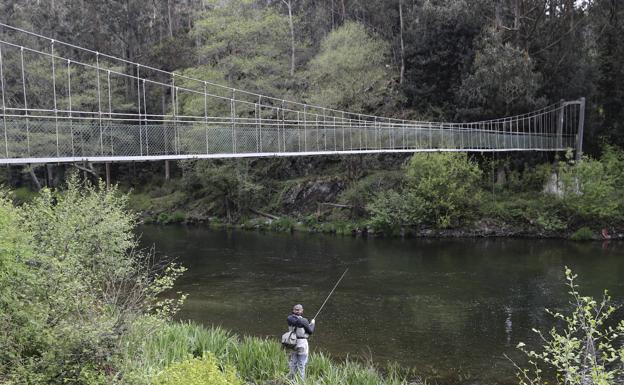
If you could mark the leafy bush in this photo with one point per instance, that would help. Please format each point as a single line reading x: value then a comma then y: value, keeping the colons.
x: 197, y: 371
x: 441, y: 189
x: 71, y: 284
x: 362, y: 192
x: 282, y: 224
x: 593, y: 188
x: 582, y: 234
x: 584, y: 350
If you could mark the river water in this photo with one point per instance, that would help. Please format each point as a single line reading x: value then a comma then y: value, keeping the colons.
x: 449, y: 308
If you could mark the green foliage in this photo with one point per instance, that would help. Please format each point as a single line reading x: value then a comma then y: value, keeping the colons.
x: 23, y: 195
x: 362, y: 191
x: 582, y: 234
x: 584, y: 349
x: 502, y: 81
x: 259, y: 360
x: 350, y: 71
x: 157, y: 350
x: 282, y: 224
x: 166, y: 218
x: 242, y: 45
x: 440, y: 189
x: 439, y: 38
x: 590, y: 188
x: 197, y: 371
x: 445, y: 185
x: 67, y: 256
x: 228, y: 184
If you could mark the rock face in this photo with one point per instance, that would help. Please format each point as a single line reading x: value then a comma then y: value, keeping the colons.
x: 303, y: 197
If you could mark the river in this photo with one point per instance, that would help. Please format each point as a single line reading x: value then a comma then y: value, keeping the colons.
x: 449, y: 308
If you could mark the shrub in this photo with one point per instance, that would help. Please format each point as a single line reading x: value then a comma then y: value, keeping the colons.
x: 441, y: 189
x: 197, y: 371
x: 582, y: 234
x: 282, y: 224
x: 584, y: 349
x: 67, y: 256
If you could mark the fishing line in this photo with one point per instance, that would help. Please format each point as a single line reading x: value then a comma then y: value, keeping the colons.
x: 330, y: 293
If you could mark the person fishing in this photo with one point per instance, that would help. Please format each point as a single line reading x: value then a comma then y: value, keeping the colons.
x: 303, y: 329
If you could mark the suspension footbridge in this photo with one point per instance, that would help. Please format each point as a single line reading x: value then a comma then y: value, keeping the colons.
x: 63, y: 103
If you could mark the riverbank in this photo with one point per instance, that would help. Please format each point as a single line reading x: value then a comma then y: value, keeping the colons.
x: 174, y: 352
x: 425, y: 195
x: 485, y: 228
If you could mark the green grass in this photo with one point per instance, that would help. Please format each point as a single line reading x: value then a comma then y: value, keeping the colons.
x: 152, y: 346
x: 582, y: 234
x: 23, y: 195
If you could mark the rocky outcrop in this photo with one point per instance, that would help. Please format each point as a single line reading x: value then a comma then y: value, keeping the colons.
x: 303, y: 197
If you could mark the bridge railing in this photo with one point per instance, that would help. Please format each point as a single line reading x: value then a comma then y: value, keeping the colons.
x: 63, y: 103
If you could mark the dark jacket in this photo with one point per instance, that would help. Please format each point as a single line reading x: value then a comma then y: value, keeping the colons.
x: 304, y: 328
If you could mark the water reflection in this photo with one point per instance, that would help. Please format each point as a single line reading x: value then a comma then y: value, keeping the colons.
x: 446, y: 307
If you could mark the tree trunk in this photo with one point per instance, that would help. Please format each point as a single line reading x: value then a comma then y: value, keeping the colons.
x: 169, y: 20
x: 33, y: 176
x: 402, y: 45
x: 292, y: 37
x: 49, y: 175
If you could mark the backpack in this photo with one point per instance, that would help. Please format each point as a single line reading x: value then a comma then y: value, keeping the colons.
x: 289, y: 339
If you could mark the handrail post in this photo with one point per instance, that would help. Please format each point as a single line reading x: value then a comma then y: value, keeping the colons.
x: 581, y: 126
x: 559, y: 134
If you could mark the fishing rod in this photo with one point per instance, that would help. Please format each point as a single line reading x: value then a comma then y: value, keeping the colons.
x: 331, y: 292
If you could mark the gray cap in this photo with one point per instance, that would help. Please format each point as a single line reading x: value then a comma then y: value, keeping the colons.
x: 298, y: 307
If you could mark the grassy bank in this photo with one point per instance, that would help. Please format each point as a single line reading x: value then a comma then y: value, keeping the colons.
x: 153, y: 352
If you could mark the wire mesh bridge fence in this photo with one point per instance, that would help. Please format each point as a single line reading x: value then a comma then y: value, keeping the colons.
x: 64, y: 103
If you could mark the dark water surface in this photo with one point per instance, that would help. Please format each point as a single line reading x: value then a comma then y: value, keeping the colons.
x: 448, y: 308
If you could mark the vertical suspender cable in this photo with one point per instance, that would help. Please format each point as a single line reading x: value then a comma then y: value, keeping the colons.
x: 206, y: 115
x: 145, y: 119
x: 56, y: 125
x: 283, y: 128
x: 173, y: 107
x: 335, y: 139
x: 260, y: 122
x: 97, y: 64
x: 343, y: 128
x: 324, y: 129
x: 110, y: 111
x: 71, y: 128
x: 138, y: 81
x: 232, y: 117
x: 6, y: 137
x: 176, y: 129
x: 305, y: 129
x: 360, y: 129
x: 317, y: 131
x: 25, y: 101
x: 298, y: 132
